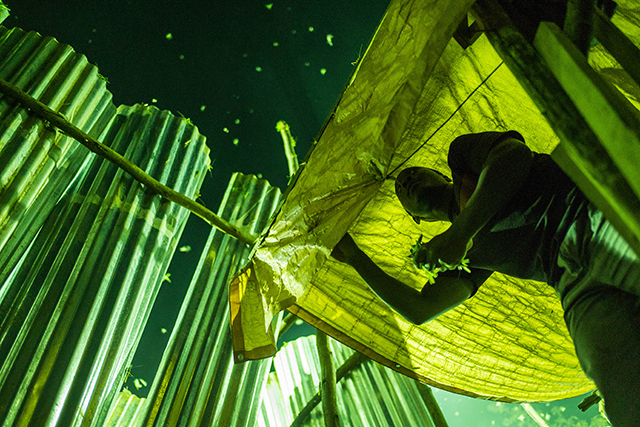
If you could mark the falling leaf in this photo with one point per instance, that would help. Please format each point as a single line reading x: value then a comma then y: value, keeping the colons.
x: 311, y: 29
x: 153, y: 101
x: 202, y: 107
x: 185, y: 248
x: 269, y: 6
x: 236, y: 141
x: 167, y: 277
x: 169, y: 36
x: 163, y: 330
x: 276, y: 44
x: 330, y: 39
x: 225, y: 130
x: 258, y: 69
x: 323, y: 71
x: 237, y: 121
x: 139, y: 383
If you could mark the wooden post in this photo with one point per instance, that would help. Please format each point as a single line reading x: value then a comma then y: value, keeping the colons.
x: 328, y: 381
x: 58, y: 120
x: 586, y: 161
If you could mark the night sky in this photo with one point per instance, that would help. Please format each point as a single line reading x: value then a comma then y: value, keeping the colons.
x: 234, y: 68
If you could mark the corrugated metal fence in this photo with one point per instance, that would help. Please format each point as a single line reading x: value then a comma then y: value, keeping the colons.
x: 197, y: 383
x: 36, y: 162
x: 73, y: 309
x: 369, y: 396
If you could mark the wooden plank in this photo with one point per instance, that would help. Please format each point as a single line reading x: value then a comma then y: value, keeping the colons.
x: 612, y: 117
x: 583, y: 158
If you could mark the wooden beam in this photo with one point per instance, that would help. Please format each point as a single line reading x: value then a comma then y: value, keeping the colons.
x: 578, y: 23
x: 612, y: 117
x: 618, y: 45
x: 586, y: 160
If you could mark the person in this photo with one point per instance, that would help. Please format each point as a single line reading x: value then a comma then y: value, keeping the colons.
x: 515, y: 211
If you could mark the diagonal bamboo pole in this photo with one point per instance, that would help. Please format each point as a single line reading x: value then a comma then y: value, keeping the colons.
x: 58, y: 120
x: 349, y: 364
x: 432, y: 405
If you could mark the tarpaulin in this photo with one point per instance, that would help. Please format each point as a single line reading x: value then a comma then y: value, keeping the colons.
x: 413, y: 85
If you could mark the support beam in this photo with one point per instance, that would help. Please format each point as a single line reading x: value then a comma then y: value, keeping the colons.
x: 585, y: 159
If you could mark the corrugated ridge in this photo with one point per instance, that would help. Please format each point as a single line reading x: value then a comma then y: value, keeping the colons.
x: 37, y: 163
x: 370, y: 395
x: 197, y: 379
x: 84, y: 291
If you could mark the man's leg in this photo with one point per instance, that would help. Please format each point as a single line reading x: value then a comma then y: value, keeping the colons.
x: 605, y: 327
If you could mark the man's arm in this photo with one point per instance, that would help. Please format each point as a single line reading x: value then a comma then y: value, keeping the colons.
x: 415, y: 306
x: 503, y: 173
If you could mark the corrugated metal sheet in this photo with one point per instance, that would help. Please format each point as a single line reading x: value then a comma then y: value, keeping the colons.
x: 197, y: 382
x: 37, y: 163
x: 79, y: 299
x: 370, y: 395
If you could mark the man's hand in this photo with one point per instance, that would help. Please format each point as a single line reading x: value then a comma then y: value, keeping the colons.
x: 444, y: 251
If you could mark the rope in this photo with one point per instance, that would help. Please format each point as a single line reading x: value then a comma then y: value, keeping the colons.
x: 446, y: 121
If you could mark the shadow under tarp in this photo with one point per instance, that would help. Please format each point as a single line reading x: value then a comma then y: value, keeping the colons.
x: 414, y: 83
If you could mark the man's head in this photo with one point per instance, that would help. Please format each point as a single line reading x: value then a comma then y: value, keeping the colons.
x: 424, y: 193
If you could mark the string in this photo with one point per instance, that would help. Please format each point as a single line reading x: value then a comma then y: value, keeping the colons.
x: 446, y: 121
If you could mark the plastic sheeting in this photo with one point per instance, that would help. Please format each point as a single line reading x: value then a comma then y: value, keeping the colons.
x: 507, y: 343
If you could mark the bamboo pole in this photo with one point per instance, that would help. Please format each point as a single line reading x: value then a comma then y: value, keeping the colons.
x: 328, y: 381
x: 349, y: 364
x: 58, y: 120
x: 432, y: 405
